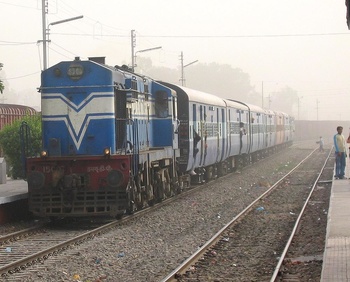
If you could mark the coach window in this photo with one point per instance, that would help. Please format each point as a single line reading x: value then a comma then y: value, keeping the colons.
x: 161, y: 104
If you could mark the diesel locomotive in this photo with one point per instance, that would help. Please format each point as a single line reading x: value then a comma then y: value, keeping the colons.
x: 115, y: 141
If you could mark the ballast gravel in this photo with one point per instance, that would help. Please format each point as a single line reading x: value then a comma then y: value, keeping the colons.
x: 148, y: 248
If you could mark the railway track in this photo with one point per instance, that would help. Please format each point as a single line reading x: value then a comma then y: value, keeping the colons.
x: 36, y: 244
x: 247, y: 249
x: 18, y: 235
x: 24, y: 263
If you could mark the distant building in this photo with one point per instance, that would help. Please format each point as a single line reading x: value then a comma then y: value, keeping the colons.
x: 11, y: 112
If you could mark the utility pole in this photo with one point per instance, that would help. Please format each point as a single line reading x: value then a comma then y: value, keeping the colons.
x: 44, y: 7
x: 262, y: 94
x: 317, y: 102
x: 133, y: 45
x: 182, y: 79
x: 46, y: 30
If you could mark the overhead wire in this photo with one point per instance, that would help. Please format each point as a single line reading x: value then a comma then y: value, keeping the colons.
x: 16, y: 77
x: 217, y: 36
x: 13, y: 43
x: 17, y: 5
x: 106, y: 31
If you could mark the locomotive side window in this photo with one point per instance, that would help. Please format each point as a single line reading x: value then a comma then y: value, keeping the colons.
x: 161, y: 104
x: 134, y: 84
x: 146, y: 92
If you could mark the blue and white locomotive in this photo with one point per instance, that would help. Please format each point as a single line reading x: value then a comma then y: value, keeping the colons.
x: 115, y: 141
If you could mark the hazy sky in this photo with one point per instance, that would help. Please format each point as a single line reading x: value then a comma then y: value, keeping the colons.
x: 303, y: 44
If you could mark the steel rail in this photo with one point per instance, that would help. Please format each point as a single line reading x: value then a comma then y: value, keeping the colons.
x: 40, y: 256
x: 296, y: 225
x: 20, y: 234
x: 181, y: 269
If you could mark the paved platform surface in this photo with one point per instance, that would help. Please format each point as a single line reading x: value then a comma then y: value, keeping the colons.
x: 336, y: 258
x: 13, y: 190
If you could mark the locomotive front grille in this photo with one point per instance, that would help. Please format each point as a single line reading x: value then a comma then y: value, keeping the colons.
x: 81, y: 204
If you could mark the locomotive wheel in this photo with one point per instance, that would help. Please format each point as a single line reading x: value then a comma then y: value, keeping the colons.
x: 149, y: 195
x: 160, y: 192
x: 158, y: 188
x: 240, y: 163
x: 139, y: 205
x: 134, y: 196
x: 180, y: 184
x: 208, y: 173
x: 175, y: 186
x: 140, y: 198
x: 130, y: 200
x: 168, y: 191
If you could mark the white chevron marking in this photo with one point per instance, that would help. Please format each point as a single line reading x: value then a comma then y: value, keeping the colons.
x: 59, y: 108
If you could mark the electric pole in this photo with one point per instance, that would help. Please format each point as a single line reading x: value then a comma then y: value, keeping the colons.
x: 133, y: 45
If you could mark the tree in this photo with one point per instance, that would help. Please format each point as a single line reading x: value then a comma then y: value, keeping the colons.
x: 218, y: 79
x: 11, y: 143
x: 2, y: 87
x: 285, y: 100
x: 221, y: 80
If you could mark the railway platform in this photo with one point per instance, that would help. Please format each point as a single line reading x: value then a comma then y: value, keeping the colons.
x: 13, y: 190
x: 336, y: 257
x: 13, y: 200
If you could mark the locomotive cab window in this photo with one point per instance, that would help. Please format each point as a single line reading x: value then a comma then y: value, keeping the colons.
x: 161, y: 104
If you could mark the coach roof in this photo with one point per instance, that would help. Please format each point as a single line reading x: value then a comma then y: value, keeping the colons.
x: 202, y: 97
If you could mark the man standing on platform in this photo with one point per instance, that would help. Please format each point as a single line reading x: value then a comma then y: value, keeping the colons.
x: 340, y: 153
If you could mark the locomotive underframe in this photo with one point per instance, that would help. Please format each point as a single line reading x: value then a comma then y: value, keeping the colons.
x: 75, y: 204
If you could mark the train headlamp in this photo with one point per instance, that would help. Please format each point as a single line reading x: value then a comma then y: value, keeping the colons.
x: 75, y: 71
x: 115, y: 178
x: 44, y: 154
x: 106, y: 152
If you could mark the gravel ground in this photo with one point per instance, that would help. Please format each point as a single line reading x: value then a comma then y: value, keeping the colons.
x: 147, y: 249
x: 251, y: 248
x: 305, y: 256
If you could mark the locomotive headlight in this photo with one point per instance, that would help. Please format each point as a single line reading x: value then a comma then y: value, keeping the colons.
x: 44, y: 154
x: 106, y: 152
x: 57, y: 72
x: 36, y: 180
x: 75, y: 71
x: 115, y: 178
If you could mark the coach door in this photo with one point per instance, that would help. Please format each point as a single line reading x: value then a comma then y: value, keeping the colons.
x: 220, y: 119
x: 175, y: 121
x: 223, y: 133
